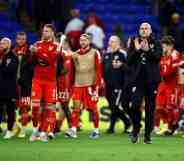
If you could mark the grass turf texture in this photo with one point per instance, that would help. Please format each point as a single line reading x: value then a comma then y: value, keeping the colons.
x: 107, y: 148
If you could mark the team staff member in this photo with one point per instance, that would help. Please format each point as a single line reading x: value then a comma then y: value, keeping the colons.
x: 143, y: 58
x: 113, y: 70
x: 24, y: 80
x: 8, y: 72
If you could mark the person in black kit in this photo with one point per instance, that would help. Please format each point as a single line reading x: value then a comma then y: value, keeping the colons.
x: 143, y: 58
x: 24, y: 80
x: 114, y: 65
x: 8, y: 71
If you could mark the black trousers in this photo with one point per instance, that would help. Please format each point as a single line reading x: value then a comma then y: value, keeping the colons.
x: 114, y: 100
x: 138, y: 92
x: 10, y: 107
x: 25, y: 91
x: 126, y: 100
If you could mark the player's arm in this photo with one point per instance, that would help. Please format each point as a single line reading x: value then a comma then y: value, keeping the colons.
x: 178, y: 61
x: 31, y: 57
x: 98, y: 64
x: 134, y: 51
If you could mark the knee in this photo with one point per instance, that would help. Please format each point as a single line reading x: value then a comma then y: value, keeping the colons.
x: 51, y: 106
x: 76, y: 110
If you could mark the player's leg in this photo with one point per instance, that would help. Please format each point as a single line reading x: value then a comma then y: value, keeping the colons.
x: 113, y: 117
x: 25, y: 102
x: 64, y: 112
x: 90, y: 103
x: 49, y: 116
x: 172, y: 114
x: 10, y: 110
x: 36, y: 95
x: 160, y: 106
x: 75, y: 114
x: 60, y: 117
x: 67, y: 113
x: 181, y: 96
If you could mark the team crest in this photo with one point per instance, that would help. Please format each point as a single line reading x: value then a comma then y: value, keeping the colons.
x: 116, y: 57
x: 151, y: 46
x: 8, y: 61
x: 51, y: 48
x: 106, y: 57
x: 68, y: 62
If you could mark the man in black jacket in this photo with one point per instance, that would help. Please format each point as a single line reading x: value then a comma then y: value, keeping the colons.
x: 8, y: 71
x: 24, y: 80
x: 114, y: 67
x: 143, y: 58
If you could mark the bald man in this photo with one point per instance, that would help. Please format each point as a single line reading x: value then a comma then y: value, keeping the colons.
x: 8, y: 71
x: 144, y: 54
x: 113, y: 71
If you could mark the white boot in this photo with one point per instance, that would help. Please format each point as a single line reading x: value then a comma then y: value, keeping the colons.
x: 22, y: 133
x: 43, y: 137
x: 51, y: 135
x: 35, y: 135
x: 8, y: 135
x: 71, y: 133
x: 157, y: 130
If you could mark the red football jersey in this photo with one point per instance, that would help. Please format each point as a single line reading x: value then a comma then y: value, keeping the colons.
x: 21, y: 50
x: 166, y: 64
x: 46, y: 57
x: 66, y: 79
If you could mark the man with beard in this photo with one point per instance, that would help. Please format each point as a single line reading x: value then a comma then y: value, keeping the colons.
x: 44, y: 84
x: 8, y: 71
x: 87, y: 81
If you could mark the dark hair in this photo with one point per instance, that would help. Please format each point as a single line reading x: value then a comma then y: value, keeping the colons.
x: 87, y: 36
x: 68, y: 41
x: 51, y: 26
x: 169, y: 40
x: 22, y: 33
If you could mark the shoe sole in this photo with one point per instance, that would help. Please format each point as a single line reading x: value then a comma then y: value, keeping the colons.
x: 93, y: 138
x: 44, y: 141
x: 147, y: 143
x: 69, y: 136
x: 21, y: 137
x: 36, y: 139
x: 7, y: 138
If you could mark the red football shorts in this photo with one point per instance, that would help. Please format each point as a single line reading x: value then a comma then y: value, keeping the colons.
x: 64, y: 96
x: 83, y: 95
x: 45, y: 90
x: 166, y: 95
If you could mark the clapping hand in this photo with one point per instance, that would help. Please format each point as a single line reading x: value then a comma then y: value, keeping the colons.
x: 145, y: 45
x: 137, y: 44
x: 33, y: 49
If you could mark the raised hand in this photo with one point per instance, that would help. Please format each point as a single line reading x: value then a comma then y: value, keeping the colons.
x: 145, y: 45
x: 137, y: 44
x: 33, y: 49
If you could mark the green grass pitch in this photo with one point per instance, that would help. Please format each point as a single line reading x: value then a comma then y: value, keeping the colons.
x: 107, y: 148
x: 115, y: 147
